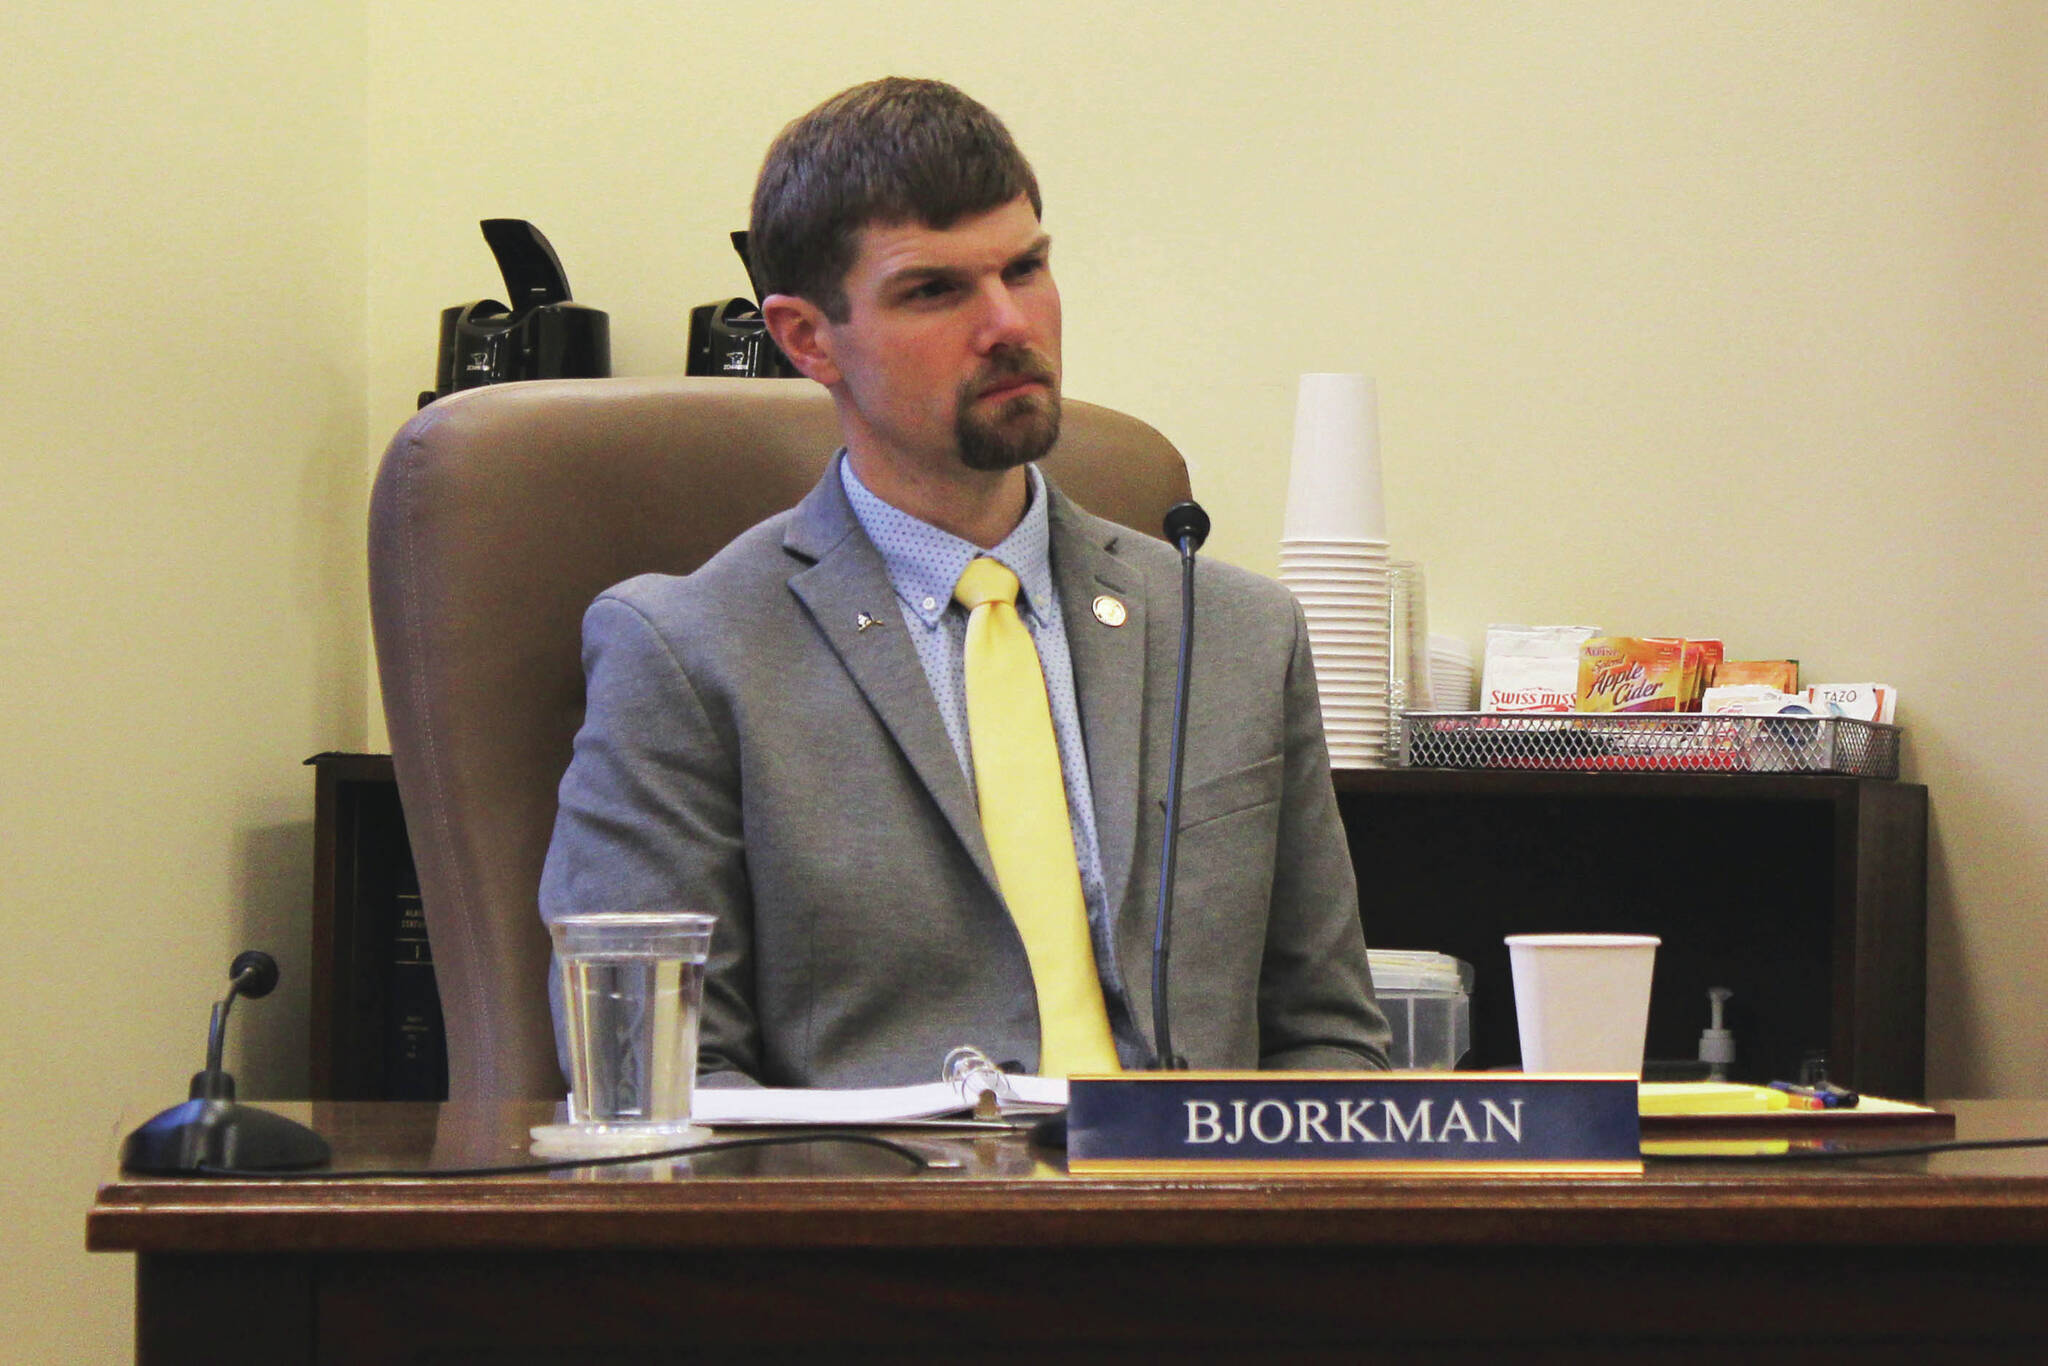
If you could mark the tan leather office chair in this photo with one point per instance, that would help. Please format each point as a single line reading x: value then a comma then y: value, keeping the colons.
x: 498, y: 514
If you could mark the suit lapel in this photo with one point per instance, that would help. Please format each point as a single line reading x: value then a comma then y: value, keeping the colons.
x: 846, y: 583
x: 1109, y: 680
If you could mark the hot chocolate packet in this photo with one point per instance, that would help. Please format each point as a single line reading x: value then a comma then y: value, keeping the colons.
x: 1532, y: 668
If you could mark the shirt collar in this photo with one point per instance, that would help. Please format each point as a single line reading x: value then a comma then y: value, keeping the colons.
x: 925, y: 562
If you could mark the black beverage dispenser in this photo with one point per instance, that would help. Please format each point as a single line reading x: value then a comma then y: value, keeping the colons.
x: 730, y: 338
x: 542, y: 334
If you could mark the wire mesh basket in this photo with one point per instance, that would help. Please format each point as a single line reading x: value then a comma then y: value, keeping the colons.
x: 1658, y: 742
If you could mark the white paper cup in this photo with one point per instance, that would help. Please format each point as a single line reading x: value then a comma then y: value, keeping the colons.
x: 1582, y: 1001
x: 1317, y: 600
x: 1372, y: 585
x: 1333, y: 484
x: 1377, y: 545
x: 1359, y: 560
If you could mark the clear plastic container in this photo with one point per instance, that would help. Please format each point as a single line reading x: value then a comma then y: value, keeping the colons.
x: 632, y: 990
x: 1428, y: 1000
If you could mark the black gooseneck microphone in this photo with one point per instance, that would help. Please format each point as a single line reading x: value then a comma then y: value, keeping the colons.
x: 253, y: 974
x: 210, y: 1130
x: 1187, y: 526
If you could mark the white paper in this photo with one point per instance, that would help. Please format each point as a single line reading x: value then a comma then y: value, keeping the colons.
x: 866, y: 1105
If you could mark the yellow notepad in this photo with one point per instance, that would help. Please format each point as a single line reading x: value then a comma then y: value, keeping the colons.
x: 1708, y: 1098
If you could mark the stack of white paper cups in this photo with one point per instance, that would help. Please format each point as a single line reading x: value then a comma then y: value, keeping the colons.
x: 1452, y: 683
x: 1333, y: 555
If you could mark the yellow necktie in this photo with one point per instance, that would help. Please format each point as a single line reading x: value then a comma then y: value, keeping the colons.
x: 1024, y: 816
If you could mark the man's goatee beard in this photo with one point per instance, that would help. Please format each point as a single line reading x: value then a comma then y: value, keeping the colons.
x: 1021, y: 431
x: 1023, y: 428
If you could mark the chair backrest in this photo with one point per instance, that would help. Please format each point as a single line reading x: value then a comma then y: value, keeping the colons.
x: 498, y: 514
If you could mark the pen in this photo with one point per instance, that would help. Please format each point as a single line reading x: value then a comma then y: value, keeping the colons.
x: 1799, y: 1097
x: 1823, y: 1095
x: 1837, y: 1096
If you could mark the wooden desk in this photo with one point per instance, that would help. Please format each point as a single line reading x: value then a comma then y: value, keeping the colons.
x: 827, y: 1253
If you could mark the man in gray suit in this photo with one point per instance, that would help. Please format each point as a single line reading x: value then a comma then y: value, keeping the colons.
x: 783, y: 738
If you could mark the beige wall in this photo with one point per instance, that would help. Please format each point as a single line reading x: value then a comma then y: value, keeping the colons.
x: 1722, y: 319
x: 180, y: 513
x: 1704, y: 320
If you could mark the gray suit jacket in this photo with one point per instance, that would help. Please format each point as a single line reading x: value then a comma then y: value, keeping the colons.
x: 750, y: 751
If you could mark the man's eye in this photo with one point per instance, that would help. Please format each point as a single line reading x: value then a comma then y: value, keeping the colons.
x: 931, y: 289
x: 1025, y: 269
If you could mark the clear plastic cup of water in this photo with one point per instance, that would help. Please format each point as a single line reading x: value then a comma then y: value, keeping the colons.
x: 632, y: 991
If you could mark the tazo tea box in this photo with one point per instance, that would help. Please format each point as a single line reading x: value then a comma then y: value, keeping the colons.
x: 1631, y: 674
x: 1859, y: 701
x: 1532, y: 668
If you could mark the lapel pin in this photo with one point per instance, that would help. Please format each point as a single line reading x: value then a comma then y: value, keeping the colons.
x: 863, y: 621
x: 1109, y: 611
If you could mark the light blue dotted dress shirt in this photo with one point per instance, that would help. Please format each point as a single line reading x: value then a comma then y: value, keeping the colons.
x: 924, y: 563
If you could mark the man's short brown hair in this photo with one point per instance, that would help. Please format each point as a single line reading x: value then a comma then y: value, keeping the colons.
x: 890, y: 152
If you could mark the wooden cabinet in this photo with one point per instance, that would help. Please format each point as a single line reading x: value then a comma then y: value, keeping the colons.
x: 1806, y: 896
x: 376, y: 1018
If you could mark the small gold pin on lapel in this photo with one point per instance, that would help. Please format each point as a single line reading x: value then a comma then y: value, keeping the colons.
x: 863, y: 621
x: 1109, y: 611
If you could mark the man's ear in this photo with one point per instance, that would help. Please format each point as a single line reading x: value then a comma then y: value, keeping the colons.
x: 801, y: 329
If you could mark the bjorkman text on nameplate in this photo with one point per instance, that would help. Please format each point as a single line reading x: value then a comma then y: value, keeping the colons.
x: 1332, y: 1121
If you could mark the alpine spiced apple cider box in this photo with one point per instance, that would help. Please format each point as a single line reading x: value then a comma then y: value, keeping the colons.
x: 1645, y: 674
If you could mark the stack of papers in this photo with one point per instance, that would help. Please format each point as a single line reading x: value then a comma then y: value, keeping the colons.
x: 734, y: 1106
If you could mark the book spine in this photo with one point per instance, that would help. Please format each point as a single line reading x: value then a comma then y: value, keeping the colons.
x: 416, y: 1045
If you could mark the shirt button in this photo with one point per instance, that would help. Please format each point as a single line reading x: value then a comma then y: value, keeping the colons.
x: 931, y: 604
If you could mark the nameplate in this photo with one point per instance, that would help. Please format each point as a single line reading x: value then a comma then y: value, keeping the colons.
x: 1318, y: 1123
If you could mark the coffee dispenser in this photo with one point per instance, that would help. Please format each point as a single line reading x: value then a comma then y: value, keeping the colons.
x: 541, y: 334
x: 730, y: 338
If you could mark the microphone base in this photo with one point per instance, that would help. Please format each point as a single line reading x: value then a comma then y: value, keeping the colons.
x: 200, y: 1134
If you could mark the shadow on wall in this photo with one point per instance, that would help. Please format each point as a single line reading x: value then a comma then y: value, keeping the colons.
x: 330, y: 565
x: 1953, y: 1022
x: 1960, y: 1022
x: 268, y: 1040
